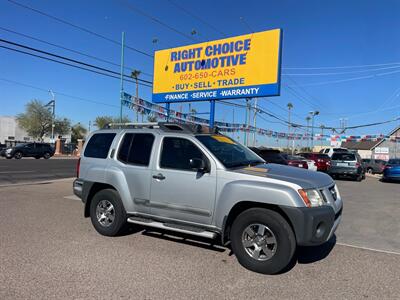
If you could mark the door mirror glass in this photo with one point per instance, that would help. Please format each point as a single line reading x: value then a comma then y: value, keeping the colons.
x: 198, y: 164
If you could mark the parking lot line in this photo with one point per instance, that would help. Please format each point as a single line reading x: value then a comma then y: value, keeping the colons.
x: 72, y: 197
x: 370, y: 249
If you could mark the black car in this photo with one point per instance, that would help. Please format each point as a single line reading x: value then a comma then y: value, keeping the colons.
x: 36, y: 150
x: 270, y: 155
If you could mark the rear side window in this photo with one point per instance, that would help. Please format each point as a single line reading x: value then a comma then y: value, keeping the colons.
x: 99, y: 145
x: 136, y: 148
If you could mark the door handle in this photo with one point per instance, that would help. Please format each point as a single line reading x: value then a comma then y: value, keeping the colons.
x: 159, y: 176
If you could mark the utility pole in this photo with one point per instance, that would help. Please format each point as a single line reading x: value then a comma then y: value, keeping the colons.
x: 122, y: 76
x: 255, y: 123
x: 289, y: 106
x: 246, y: 121
x: 90, y: 123
x: 307, y: 131
x: 52, y: 103
x: 322, y: 134
x: 313, y: 114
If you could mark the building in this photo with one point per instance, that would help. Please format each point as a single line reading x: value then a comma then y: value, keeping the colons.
x: 383, y: 149
x: 10, y: 132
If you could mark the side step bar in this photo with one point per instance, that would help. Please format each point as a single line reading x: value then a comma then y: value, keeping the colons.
x: 173, y: 227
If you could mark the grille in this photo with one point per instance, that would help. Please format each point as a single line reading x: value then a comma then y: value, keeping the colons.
x: 332, y: 190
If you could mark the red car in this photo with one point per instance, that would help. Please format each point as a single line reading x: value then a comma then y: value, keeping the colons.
x: 295, y: 161
x: 323, y: 161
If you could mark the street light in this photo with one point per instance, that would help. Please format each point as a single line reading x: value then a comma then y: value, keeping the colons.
x: 313, y: 114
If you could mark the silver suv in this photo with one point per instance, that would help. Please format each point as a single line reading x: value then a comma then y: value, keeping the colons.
x: 190, y: 180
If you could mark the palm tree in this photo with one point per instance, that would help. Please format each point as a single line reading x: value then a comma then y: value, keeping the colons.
x: 135, y: 75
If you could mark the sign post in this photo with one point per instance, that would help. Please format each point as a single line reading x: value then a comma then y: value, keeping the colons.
x: 243, y: 66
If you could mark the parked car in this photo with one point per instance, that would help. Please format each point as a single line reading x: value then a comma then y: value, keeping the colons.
x: 36, y: 150
x: 270, y: 155
x: 329, y: 151
x: 374, y: 166
x: 295, y: 161
x: 3, y: 148
x: 180, y: 179
x: 322, y: 161
x: 392, y: 170
x: 346, y: 164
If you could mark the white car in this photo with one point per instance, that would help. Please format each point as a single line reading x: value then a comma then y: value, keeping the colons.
x: 329, y: 151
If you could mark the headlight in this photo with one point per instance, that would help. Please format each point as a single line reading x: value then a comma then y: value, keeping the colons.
x: 9, y: 150
x: 311, y: 197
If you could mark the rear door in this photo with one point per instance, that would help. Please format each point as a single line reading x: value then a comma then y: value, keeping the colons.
x: 134, y: 156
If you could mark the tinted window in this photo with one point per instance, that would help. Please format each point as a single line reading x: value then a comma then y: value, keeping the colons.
x: 230, y: 153
x: 136, y: 148
x: 176, y: 153
x: 339, y: 150
x: 343, y: 156
x: 99, y: 145
x: 394, y: 161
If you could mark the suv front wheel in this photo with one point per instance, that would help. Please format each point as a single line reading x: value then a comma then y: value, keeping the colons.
x: 262, y: 241
x: 107, y: 213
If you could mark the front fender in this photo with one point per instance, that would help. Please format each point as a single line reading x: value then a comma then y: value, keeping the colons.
x: 259, y: 192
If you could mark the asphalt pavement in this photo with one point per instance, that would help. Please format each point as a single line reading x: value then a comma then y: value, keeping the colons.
x: 33, y: 170
x: 48, y: 250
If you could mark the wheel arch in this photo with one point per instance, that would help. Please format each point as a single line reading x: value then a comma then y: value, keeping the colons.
x: 94, y: 188
x: 240, y: 207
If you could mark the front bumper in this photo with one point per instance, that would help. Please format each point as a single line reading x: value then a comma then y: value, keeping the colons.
x: 313, y: 226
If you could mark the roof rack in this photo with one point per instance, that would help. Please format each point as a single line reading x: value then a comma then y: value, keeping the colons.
x: 130, y: 125
x: 165, y: 126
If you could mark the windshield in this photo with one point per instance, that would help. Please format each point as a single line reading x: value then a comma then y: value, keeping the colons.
x: 230, y: 153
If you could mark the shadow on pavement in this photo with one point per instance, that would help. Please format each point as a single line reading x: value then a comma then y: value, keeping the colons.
x: 311, y: 254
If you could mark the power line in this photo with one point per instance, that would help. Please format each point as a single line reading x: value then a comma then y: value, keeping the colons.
x: 67, y: 64
x: 69, y: 59
x: 58, y: 93
x: 341, y: 67
x: 197, y: 18
x: 340, y: 73
x: 79, y: 27
x: 348, y: 79
x: 154, y: 19
x: 71, y: 50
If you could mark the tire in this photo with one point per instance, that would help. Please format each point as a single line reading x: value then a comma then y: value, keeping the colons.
x: 359, y: 178
x: 37, y: 157
x: 281, y: 242
x: 99, y: 205
x: 369, y: 171
x: 46, y: 155
x: 18, y: 155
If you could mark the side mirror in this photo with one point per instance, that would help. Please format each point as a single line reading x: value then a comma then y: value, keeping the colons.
x: 198, y: 164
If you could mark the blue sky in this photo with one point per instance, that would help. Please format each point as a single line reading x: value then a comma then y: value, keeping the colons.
x: 316, y: 34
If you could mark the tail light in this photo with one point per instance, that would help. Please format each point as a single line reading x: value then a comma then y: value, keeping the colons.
x: 387, y: 167
x: 358, y: 164
x: 78, y: 166
x: 305, y: 165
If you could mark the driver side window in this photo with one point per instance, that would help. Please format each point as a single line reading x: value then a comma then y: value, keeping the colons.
x: 177, y: 152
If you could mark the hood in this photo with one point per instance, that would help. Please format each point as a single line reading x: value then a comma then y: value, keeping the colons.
x: 302, y: 177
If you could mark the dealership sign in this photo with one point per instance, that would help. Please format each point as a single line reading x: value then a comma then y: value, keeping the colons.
x: 237, y: 67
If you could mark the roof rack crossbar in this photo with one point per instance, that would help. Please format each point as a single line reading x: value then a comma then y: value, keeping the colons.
x: 131, y: 125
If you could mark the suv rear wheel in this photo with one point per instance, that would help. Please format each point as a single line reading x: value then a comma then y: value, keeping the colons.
x: 107, y: 213
x: 18, y: 155
x: 262, y: 241
x: 46, y: 155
